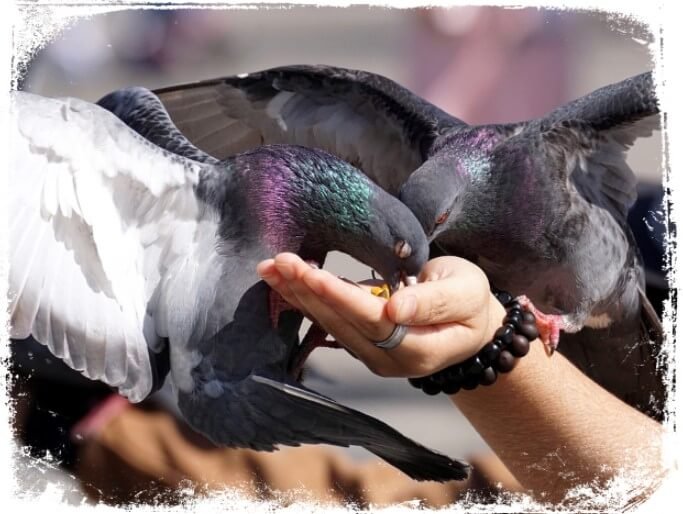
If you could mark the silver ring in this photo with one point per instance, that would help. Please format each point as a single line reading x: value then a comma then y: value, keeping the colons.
x: 395, y: 339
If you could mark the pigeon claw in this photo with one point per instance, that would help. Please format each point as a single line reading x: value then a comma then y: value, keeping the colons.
x: 276, y: 306
x: 316, y: 337
x: 548, y: 325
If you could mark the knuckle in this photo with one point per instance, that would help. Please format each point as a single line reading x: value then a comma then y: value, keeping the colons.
x: 377, y: 333
x: 374, y: 327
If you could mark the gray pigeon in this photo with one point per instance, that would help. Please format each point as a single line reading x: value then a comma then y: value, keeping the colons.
x: 120, y: 248
x: 540, y: 205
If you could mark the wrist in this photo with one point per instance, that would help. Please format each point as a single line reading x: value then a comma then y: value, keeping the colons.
x: 510, y: 341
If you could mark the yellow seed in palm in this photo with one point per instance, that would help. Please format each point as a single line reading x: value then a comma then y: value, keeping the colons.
x: 382, y: 291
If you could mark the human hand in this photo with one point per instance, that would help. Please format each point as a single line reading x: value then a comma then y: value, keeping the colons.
x: 451, y: 313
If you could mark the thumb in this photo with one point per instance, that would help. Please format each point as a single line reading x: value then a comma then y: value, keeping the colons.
x: 454, y: 291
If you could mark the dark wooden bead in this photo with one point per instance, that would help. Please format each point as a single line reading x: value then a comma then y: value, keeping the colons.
x: 488, y: 376
x: 504, y: 335
x: 528, y: 317
x: 455, y: 374
x: 430, y: 388
x: 451, y: 387
x: 519, y: 346
x: 440, y: 378
x: 506, y: 362
x: 416, y: 382
x: 514, y: 319
x: 473, y: 366
x: 513, y: 306
x: 515, y: 312
x: 470, y: 382
x: 489, y: 353
x: 511, y: 341
x: 529, y: 330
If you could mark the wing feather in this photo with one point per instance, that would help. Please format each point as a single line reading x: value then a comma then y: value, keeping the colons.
x: 265, y: 411
x: 361, y: 117
x: 93, y: 207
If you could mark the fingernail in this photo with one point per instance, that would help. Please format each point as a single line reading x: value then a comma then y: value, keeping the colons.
x: 271, y: 280
x: 286, y: 271
x: 264, y: 272
x: 406, y: 309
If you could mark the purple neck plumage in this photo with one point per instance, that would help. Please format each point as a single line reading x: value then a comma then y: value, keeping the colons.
x: 272, y: 201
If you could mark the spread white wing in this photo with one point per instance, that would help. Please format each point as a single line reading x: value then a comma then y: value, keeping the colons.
x: 97, y: 216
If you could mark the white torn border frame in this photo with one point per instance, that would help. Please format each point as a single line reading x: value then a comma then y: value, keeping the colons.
x: 31, y: 24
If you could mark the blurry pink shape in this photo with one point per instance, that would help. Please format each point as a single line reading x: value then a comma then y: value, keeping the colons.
x: 491, y: 65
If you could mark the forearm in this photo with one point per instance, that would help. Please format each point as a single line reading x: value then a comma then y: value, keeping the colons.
x: 551, y: 425
x: 555, y: 428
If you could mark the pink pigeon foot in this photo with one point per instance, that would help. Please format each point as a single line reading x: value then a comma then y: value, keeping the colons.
x: 277, y: 305
x: 316, y: 337
x: 548, y: 325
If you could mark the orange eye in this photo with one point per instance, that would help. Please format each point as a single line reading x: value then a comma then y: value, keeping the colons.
x: 442, y: 218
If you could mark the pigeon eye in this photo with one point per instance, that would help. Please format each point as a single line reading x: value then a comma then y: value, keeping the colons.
x: 403, y: 249
x: 443, y: 217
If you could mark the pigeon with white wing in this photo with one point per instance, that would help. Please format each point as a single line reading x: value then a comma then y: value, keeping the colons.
x: 120, y: 248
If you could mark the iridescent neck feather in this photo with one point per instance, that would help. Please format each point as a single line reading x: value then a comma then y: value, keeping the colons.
x: 300, y: 197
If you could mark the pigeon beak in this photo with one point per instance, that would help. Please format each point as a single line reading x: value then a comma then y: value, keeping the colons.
x: 402, y: 277
x: 395, y: 281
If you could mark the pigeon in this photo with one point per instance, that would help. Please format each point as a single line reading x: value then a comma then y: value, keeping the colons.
x: 539, y: 205
x: 122, y: 251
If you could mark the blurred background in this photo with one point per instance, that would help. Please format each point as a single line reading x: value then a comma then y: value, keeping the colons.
x: 481, y: 64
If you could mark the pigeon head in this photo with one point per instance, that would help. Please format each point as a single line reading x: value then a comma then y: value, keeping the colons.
x: 403, y: 248
x: 310, y: 202
x: 436, y: 192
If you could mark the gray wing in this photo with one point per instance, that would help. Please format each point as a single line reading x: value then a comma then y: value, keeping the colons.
x: 263, y: 411
x: 365, y: 119
x: 592, y: 135
x: 613, y: 106
x: 240, y: 394
x: 142, y: 111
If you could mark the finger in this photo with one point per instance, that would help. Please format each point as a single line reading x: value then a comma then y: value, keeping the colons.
x: 364, y: 311
x: 431, y: 348
x: 266, y: 267
x: 340, y: 327
x: 424, y: 350
x: 449, y: 295
x: 272, y: 277
x: 346, y: 310
x: 289, y: 264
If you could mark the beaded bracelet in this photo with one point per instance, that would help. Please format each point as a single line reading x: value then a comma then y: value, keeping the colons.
x: 511, y: 341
